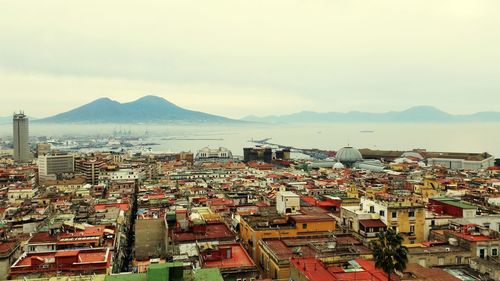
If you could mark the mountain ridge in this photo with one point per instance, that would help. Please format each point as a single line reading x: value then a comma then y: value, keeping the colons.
x: 420, y: 113
x: 151, y: 109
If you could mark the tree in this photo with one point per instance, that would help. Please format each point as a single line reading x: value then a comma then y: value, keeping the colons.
x: 389, y: 253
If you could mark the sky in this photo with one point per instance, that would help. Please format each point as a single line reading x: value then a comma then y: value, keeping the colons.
x: 241, y: 57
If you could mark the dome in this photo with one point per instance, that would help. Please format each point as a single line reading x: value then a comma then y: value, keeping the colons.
x: 206, y: 149
x: 223, y: 149
x: 412, y: 154
x: 348, y: 156
x: 338, y: 165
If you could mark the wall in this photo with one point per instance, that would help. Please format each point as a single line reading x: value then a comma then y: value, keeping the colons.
x: 440, y: 258
x: 149, y: 238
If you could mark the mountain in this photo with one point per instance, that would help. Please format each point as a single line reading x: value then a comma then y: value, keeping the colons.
x: 413, y: 114
x: 148, y: 109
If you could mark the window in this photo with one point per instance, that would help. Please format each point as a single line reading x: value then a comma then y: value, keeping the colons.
x: 441, y: 260
x: 304, y: 226
x: 482, y: 253
x: 372, y: 209
x: 494, y: 252
x: 411, y: 214
x: 394, y: 215
x: 382, y: 213
x: 412, y: 228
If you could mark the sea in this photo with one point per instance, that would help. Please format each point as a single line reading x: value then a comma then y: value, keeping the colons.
x: 449, y: 137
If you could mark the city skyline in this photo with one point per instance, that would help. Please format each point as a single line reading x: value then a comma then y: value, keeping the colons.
x: 237, y: 140
x: 226, y: 57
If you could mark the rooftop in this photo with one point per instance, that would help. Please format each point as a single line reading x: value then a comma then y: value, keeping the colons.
x: 473, y: 237
x: 454, y: 202
x: 313, y: 269
x: 359, y: 270
x: 372, y: 223
x: 6, y: 247
x: 423, y: 273
x: 239, y: 258
x: 436, y: 249
x: 326, y: 245
x: 312, y: 214
x: 83, y: 255
x: 212, y: 232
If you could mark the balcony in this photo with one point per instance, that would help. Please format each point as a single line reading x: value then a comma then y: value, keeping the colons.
x: 409, y: 234
x: 368, y: 234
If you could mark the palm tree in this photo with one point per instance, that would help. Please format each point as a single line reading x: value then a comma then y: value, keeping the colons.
x: 388, y: 252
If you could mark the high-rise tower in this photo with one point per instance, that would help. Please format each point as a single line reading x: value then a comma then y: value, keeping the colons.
x: 21, y: 137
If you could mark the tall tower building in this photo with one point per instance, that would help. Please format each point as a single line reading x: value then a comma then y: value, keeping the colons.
x: 21, y: 137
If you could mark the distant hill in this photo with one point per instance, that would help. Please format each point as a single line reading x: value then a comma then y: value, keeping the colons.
x: 413, y: 114
x: 148, y: 109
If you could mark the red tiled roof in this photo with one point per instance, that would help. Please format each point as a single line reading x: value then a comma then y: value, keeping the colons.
x: 284, y: 252
x: 372, y: 223
x: 368, y: 272
x: 42, y: 237
x: 212, y: 232
x: 121, y: 206
x: 429, y: 273
x: 474, y: 238
x: 6, y: 247
x: 313, y: 269
x: 67, y: 253
x: 92, y: 257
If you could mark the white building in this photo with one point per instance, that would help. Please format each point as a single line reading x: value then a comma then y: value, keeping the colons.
x: 18, y: 194
x: 463, y: 161
x: 121, y: 175
x: 218, y: 154
x: 287, y: 202
x: 55, y: 164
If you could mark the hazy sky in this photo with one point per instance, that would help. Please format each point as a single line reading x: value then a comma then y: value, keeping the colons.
x: 262, y: 57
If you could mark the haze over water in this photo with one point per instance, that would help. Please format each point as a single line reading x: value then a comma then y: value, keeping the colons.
x: 456, y: 137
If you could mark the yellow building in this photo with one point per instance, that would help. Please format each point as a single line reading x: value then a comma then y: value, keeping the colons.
x: 275, y: 253
x: 310, y: 221
x: 405, y: 215
x: 426, y: 191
